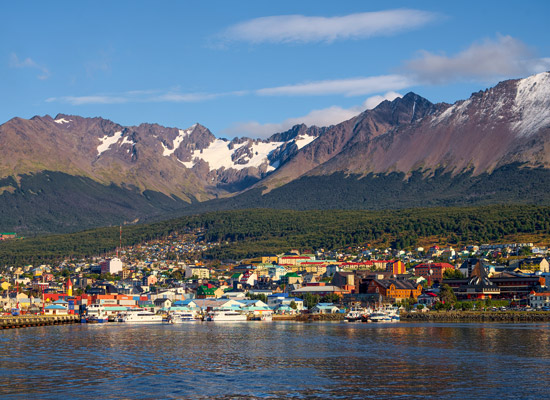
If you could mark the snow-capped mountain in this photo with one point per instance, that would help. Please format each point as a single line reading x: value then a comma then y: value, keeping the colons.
x: 55, y: 163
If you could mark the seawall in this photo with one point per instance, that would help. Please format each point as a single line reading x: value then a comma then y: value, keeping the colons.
x: 26, y: 321
x: 477, y: 316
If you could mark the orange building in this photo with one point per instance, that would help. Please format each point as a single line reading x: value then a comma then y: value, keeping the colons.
x: 395, y: 267
x: 395, y: 289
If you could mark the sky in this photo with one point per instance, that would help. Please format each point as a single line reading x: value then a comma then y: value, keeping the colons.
x: 254, y: 68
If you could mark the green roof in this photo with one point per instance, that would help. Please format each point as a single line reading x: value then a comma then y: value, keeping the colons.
x: 292, y: 275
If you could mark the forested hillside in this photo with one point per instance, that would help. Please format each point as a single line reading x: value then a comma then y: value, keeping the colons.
x: 247, y: 233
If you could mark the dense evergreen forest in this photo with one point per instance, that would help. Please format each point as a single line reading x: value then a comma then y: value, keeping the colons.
x: 248, y: 233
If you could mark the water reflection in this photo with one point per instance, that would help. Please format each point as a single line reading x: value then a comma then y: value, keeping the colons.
x: 276, y: 360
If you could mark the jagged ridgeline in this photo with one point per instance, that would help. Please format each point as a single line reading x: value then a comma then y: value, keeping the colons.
x: 70, y: 173
x: 249, y: 233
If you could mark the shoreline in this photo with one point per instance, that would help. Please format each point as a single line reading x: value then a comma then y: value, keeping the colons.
x: 477, y: 316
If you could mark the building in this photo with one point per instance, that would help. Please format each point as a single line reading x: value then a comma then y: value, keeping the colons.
x: 320, y: 290
x: 479, y: 286
x: 396, y: 267
x: 395, y: 289
x: 432, y: 271
x: 324, y: 308
x: 111, y: 266
x: 540, y: 299
x: 193, y: 271
x: 270, y: 259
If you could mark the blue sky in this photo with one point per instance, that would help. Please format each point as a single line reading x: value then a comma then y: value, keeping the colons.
x: 253, y: 68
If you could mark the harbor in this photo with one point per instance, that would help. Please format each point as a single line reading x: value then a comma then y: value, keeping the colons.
x: 27, y: 321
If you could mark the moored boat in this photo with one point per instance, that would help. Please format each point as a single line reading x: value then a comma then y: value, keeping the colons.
x: 140, y: 317
x: 225, y: 316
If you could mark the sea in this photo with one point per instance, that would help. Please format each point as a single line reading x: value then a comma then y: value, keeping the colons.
x: 277, y: 360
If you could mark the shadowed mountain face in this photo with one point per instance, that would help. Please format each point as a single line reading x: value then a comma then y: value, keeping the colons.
x: 89, y: 171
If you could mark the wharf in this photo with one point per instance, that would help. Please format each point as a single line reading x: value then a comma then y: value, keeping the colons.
x: 25, y: 321
x: 477, y: 316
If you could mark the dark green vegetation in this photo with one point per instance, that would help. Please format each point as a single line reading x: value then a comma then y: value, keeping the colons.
x: 510, y: 184
x: 51, y: 202
x: 248, y: 233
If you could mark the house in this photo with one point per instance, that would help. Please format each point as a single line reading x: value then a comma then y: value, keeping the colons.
x: 324, y: 308
x: 249, y: 278
x: 428, y: 299
x: 162, y: 303
x: 291, y: 278
x: 540, y: 299
x: 209, y: 292
x: 283, y: 299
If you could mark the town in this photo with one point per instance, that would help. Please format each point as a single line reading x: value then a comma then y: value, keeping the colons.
x: 170, y: 276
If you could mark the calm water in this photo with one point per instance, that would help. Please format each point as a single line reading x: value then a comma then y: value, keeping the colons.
x: 276, y: 360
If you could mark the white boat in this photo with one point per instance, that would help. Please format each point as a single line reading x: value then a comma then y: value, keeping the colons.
x: 225, y: 316
x: 182, y: 317
x: 96, y: 313
x: 355, y: 314
x: 380, y: 316
x: 140, y: 317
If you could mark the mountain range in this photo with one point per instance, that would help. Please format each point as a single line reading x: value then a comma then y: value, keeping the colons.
x: 69, y: 173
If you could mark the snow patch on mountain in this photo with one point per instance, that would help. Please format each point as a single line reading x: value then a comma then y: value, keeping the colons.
x: 107, y: 142
x: 532, y: 103
x: 219, y: 155
x: 62, y: 121
x: 177, y: 141
x: 303, y: 141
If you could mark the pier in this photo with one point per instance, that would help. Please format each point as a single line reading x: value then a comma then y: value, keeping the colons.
x: 27, y: 321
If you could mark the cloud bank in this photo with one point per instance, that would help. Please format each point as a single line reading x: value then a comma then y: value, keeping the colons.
x: 489, y: 59
x: 346, y: 87
x: 305, y: 29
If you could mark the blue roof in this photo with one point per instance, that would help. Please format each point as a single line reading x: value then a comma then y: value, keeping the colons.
x: 55, y: 307
x: 278, y: 295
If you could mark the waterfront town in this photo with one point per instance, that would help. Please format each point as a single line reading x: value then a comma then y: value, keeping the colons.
x: 166, y: 276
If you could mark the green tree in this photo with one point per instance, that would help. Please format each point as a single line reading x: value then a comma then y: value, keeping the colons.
x: 447, y: 295
x: 452, y: 274
x: 293, y: 305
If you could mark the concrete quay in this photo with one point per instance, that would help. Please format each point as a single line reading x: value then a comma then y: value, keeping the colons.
x: 26, y: 321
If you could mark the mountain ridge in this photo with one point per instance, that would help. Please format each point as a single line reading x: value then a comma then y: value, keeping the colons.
x: 504, y: 129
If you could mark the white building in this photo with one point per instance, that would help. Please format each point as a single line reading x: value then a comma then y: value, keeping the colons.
x: 539, y: 299
x: 111, y: 266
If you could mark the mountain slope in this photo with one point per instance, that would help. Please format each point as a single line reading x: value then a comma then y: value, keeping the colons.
x: 493, y: 147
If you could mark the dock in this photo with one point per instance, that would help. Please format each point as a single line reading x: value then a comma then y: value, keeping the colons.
x: 27, y: 321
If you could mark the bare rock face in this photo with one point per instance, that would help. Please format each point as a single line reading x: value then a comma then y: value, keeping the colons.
x: 509, y: 123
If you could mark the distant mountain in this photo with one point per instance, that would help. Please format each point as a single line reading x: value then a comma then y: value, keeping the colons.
x: 69, y: 172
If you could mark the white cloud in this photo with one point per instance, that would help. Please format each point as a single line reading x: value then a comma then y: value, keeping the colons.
x: 28, y: 62
x: 346, y: 87
x: 324, y: 117
x: 84, y: 100
x: 141, y: 96
x: 304, y: 29
x: 490, y: 59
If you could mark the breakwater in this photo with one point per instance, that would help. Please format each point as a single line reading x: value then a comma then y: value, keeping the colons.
x: 26, y: 321
x: 477, y: 316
